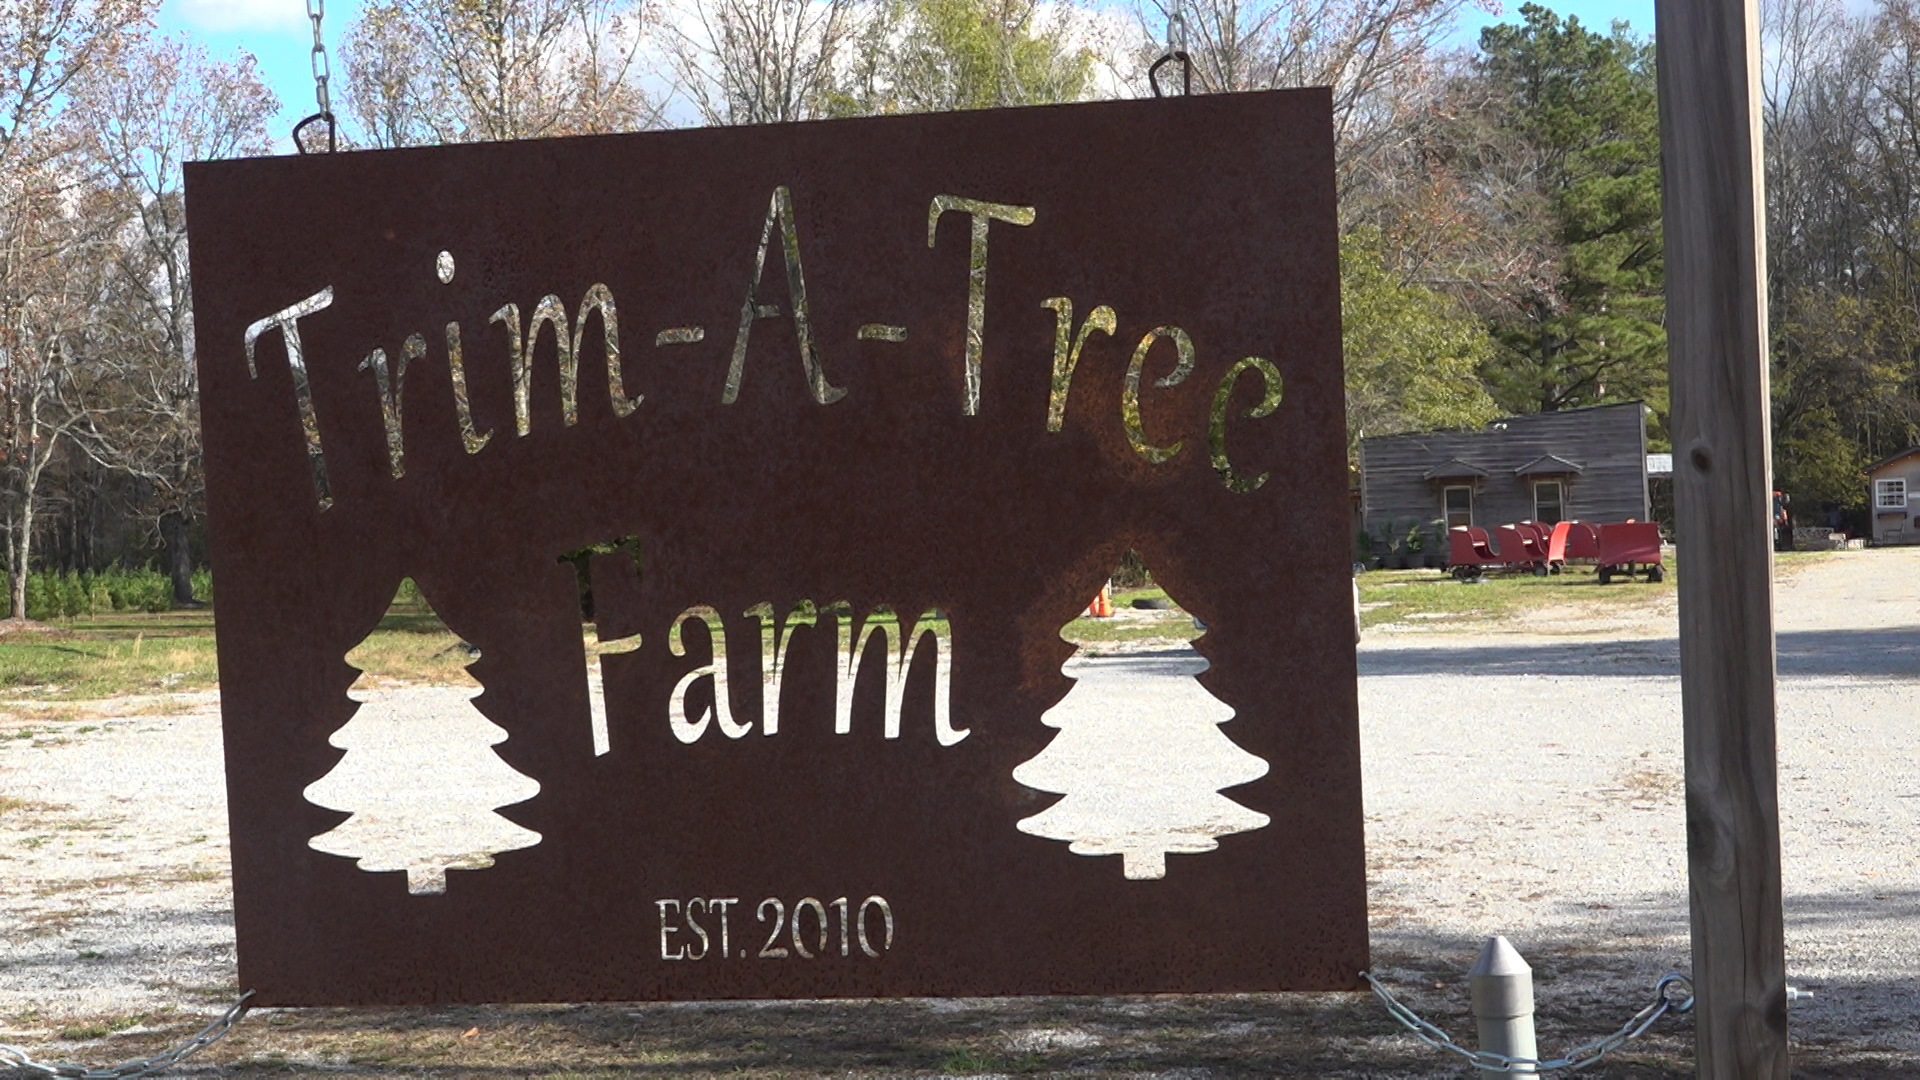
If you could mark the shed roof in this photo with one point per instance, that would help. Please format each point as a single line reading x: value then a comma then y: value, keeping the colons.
x: 1886, y: 461
x: 1549, y: 465
x: 1454, y: 468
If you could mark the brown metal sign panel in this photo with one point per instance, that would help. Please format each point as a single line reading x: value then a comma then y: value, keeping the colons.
x: 879, y: 402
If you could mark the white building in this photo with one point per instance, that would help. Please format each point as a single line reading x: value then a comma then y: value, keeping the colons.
x: 1894, y: 496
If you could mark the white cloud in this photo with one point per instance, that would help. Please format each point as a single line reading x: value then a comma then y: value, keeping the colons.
x: 222, y: 16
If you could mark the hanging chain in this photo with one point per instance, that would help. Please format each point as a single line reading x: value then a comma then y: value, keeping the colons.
x: 1666, y: 999
x: 1176, y: 50
x: 322, y: 72
x: 15, y: 1058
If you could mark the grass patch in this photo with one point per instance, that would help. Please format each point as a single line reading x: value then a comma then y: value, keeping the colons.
x: 1414, y: 597
x: 100, y: 1029
x: 110, y: 655
x: 1129, y: 623
x: 105, y: 656
x: 1431, y: 598
x: 966, y: 1061
x: 412, y: 646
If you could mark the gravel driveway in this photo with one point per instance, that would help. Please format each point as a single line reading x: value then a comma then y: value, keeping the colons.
x: 1524, y: 780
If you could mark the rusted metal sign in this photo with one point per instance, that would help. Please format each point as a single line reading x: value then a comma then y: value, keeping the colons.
x: 877, y: 403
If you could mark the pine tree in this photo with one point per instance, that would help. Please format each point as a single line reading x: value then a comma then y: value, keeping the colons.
x: 1141, y: 760
x: 1589, y: 325
x: 422, y: 782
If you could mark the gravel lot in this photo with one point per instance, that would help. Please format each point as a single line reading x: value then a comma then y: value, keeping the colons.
x: 1523, y: 780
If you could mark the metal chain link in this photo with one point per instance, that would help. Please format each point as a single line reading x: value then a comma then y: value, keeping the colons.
x: 322, y: 73
x: 1664, y: 1002
x: 1176, y: 51
x: 15, y: 1058
x: 322, y: 70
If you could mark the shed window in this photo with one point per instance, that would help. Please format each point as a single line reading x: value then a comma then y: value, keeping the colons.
x: 1890, y: 494
x: 1459, y: 505
x: 1547, y: 501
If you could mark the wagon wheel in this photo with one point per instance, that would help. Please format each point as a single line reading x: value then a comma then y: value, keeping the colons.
x: 1606, y: 575
x: 1539, y: 569
x: 1656, y: 573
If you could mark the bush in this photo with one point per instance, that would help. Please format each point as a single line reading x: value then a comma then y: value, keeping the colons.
x: 73, y: 597
x: 64, y: 596
x: 42, y: 596
x: 139, y: 591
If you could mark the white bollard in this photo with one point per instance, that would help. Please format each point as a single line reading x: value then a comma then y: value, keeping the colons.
x: 1502, y: 986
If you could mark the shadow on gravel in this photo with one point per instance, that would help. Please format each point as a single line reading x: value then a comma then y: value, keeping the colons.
x: 1342, y: 1036
x: 1856, y: 909
x: 1590, y: 977
x: 1585, y: 989
x: 1889, y: 652
x: 1158, y: 662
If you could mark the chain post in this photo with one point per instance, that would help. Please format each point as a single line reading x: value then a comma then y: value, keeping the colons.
x: 322, y: 74
x: 1668, y: 997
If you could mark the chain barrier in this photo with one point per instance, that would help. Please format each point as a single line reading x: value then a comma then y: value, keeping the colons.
x: 1176, y: 51
x: 12, y: 1057
x: 322, y: 72
x: 1664, y: 1001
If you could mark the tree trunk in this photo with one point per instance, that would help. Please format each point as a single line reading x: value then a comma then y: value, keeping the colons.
x: 17, y: 574
x: 173, y: 525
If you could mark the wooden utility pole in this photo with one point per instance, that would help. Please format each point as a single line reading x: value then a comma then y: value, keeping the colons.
x: 1709, y: 61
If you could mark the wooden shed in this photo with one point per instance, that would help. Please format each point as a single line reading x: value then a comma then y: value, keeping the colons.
x: 1585, y: 464
x: 1894, y: 484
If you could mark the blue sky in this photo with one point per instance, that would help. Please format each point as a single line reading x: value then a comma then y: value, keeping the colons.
x: 1597, y: 14
x: 278, y: 34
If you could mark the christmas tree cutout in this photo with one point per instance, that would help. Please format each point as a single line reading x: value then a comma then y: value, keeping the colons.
x: 422, y: 782
x: 1141, y: 760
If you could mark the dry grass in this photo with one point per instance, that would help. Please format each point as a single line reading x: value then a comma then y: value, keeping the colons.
x: 1130, y: 624
x: 1319, y: 1035
x: 1333, y: 1036
x: 27, y: 807
x: 1431, y: 597
x: 86, y: 713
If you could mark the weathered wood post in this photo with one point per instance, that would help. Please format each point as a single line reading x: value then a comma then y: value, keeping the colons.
x: 1709, y: 75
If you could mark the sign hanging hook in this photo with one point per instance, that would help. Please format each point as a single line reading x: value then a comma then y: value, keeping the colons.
x: 1176, y: 51
x: 322, y: 71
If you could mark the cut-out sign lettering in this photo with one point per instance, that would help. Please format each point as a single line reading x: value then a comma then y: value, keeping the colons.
x: 872, y: 408
x: 523, y: 336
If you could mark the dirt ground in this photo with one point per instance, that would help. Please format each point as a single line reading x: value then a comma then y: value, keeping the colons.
x: 1521, y: 779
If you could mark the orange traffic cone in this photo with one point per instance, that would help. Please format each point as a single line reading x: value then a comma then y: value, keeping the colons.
x: 1102, y: 606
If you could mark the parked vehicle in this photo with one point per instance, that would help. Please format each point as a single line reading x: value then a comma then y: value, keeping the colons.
x: 1621, y: 549
x: 1573, y: 541
x: 1471, y: 551
x: 1628, y: 548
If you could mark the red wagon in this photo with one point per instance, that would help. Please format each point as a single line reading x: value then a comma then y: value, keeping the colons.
x: 1628, y: 548
x: 1572, y: 541
x: 1470, y: 551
